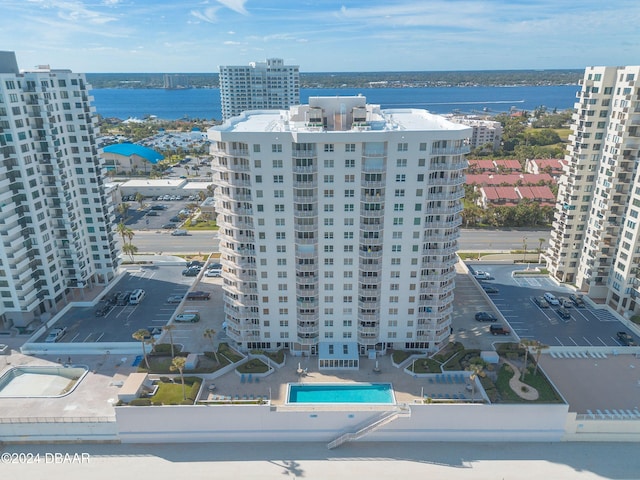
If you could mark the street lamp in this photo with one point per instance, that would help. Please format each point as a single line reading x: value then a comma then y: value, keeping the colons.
x: 524, y: 249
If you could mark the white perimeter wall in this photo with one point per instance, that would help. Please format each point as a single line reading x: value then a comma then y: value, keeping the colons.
x: 450, y: 422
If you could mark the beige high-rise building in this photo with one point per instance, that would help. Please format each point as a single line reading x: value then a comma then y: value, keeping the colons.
x: 595, y: 241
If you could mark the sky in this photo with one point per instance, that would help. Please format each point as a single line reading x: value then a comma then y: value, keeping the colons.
x: 96, y: 36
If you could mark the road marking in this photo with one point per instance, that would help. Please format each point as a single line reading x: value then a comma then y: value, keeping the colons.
x: 98, y: 339
x: 586, y: 340
x: 558, y: 340
x: 576, y: 343
x: 603, y: 342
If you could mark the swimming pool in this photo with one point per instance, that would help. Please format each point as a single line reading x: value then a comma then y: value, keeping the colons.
x: 42, y: 381
x: 378, y: 393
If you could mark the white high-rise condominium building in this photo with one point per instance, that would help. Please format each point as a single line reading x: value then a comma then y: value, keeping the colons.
x: 260, y: 85
x: 55, y: 219
x: 595, y: 241
x: 338, y: 226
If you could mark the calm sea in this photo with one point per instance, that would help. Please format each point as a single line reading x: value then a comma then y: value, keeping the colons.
x: 205, y: 103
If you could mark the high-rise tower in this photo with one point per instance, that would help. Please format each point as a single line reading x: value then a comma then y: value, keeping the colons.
x: 55, y: 219
x: 338, y: 226
x: 594, y: 243
x: 260, y: 85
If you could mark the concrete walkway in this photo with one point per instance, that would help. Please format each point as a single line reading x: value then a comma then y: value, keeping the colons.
x: 529, y: 393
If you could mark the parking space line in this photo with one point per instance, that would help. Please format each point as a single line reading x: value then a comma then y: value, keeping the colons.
x: 573, y: 341
x: 603, y: 342
x: 587, y: 340
x: 558, y: 340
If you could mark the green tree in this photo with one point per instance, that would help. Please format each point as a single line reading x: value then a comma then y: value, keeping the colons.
x: 210, y: 334
x: 538, y: 348
x: 140, y: 199
x: 526, y: 343
x: 130, y: 249
x: 125, y: 232
x: 144, y: 337
x: 170, y: 328
x: 123, y: 210
x: 177, y: 364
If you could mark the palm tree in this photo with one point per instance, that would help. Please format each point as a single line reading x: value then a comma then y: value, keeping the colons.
x: 130, y: 250
x: 178, y: 363
x: 525, y: 343
x: 210, y: 334
x: 475, y: 369
x: 538, y: 348
x: 144, y: 337
x: 170, y: 328
x: 123, y: 209
x: 124, y: 232
x: 140, y: 199
x: 540, y: 243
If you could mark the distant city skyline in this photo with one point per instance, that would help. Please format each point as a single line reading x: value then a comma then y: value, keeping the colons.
x: 320, y: 36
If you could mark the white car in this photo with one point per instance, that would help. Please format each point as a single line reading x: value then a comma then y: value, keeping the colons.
x: 55, y: 335
x: 483, y: 275
x: 213, y: 272
x: 190, y: 317
x: 551, y: 299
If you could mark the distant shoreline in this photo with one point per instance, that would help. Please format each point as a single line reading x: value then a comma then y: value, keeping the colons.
x: 372, y: 80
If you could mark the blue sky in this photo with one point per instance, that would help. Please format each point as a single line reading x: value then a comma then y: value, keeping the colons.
x: 321, y: 35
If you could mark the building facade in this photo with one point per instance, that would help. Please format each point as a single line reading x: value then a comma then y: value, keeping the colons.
x: 338, y: 225
x: 485, y: 132
x: 55, y: 217
x: 260, y: 85
x: 594, y: 243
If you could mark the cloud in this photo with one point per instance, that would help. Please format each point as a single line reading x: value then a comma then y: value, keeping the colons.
x: 207, y: 15
x: 235, y: 5
x: 230, y: 42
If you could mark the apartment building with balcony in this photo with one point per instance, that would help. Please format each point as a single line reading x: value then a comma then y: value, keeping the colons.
x: 338, y: 226
x: 485, y: 132
x: 55, y: 218
x: 260, y: 85
x: 594, y: 243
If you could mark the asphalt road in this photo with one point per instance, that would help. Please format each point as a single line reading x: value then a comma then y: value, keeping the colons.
x: 155, y: 241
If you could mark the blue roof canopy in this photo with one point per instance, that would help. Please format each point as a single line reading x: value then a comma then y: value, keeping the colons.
x: 129, y: 149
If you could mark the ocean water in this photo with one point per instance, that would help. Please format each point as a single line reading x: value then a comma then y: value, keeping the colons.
x: 205, y: 103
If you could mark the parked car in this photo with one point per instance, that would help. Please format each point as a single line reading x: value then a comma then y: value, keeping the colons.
x: 123, y: 299
x: 190, y: 317
x: 198, y: 295
x: 158, y: 207
x: 565, y: 302
x: 175, y: 299
x: 551, y: 299
x: 136, y: 296
x: 175, y: 219
x: 480, y: 275
x: 499, y: 330
x: 213, y: 272
x: 55, y: 335
x: 195, y: 263
x: 541, y: 302
x: 152, y: 213
x: 190, y: 272
x: 486, y: 317
x: 212, y: 266
x: 564, y: 313
x: 489, y: 289
x: 577, y: 300
x: 626, y: 339
x: 169, y: 226
x: 103, y: 308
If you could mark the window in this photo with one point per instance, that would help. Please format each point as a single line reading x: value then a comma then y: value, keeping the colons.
x: 398, y: 207
x: 348, y: 207
x: 350, y: 147
x: 278, y: 179
x: 328, y: 147
x: 328, y: 208
x: 328, y: 163
x: 328, y: 179
x: 276, y: 148
x: 348, y: 235
x: 256, y: 148
x: 277, y: 164
x: 350, y: 163
x: 349, y: 178
x: 399, y: 192
x: 401, y: 162
x: 328, y: 194
x: 279, y: 208
x: 258, y: 178
x: 403, y: 147
x: 278, y: 193
x: 401, y: 177
x: 349, y: 193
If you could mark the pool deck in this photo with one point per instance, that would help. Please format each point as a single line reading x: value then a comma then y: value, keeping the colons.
x: 406, y: 388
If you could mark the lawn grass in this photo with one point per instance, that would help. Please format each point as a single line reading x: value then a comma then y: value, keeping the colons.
x: 162, y: 364
x: 425, y: 365
x: 232, y: 355
x: 277, y: 357
x: 547, y: 393
x: 200, y: 225
x: 172, y: 393
x: 399, y: 356
x: 255, y: 365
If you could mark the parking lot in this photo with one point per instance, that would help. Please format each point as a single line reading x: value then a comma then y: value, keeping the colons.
x: 587, y: 326
x: 140, y: 219
x: 152, y: 313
